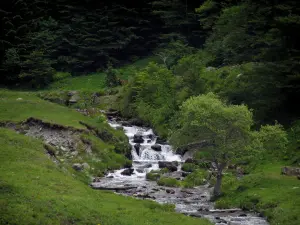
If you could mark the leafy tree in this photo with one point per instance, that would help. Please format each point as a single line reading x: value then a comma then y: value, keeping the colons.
x: 226, y: 128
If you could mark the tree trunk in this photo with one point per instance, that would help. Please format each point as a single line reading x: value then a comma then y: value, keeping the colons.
x: 218, y: 185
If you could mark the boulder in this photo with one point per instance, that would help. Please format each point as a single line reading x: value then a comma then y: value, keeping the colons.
x: 190, y: 160
x: 127, y: 172
x: 161, y: 141
x: 290, y: 171
x: 74, y: 99
x: 148, y: 165
x: 138, y: 138
x: 77, y: 167
x: 170, y: 191
x: 156, y: 148
x: 151, y: 136
x: 72, y: 93
x: 148, y: 141
x: 172, y: 166
x: 137, y: 148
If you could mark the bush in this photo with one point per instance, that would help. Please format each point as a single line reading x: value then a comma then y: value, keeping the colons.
x: 197, y: 178
x: 189, y: 167
x: 168, y: 182
x: 152, y: 176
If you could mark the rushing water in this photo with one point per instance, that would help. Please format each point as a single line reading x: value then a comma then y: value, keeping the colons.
x: 194, y: 201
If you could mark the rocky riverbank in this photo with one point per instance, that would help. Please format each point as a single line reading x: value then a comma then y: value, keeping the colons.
x: 150, y: 155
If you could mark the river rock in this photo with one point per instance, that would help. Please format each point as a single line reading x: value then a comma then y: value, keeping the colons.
x: 127, y: 172
x: 138, y: 138
x: 189, y: 160
x: 172, y: 166
x: 156, y: 147
x: 290, y: 171
x: 151, y: 136
x: 77, y: 166
x: 148, y: 165
x: 161, y: 141
x: 137, y: 148
x: 170, y: 191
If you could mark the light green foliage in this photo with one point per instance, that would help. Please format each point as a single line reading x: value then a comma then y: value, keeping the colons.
x: 153, y: 176
x: 34, y: 190
x: 274, y: 139
x: 225, y: 127
x: 196, y: 178
x: 206, y: 117
x: 168, y: 182
x: 189, y: 167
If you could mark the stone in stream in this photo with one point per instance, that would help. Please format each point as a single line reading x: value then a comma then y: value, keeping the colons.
x: 151, y: 136
x: 138, y: 138
x: 156, y: 148
x: 172, y: 166
x: 161, y: 141
x: 170, y: 191
x: 189, y: 160
x: 127, y: 172
x: 137, y: 148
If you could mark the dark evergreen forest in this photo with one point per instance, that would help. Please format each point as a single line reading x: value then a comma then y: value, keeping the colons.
x: 80, y: 37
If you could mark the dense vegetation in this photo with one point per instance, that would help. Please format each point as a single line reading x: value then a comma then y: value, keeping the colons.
x: 225, y: 71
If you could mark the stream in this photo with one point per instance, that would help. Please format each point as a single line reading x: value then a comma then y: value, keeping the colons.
x: 149, y: 153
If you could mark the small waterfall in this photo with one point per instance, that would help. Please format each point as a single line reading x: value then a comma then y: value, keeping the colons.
x: 146, y: 153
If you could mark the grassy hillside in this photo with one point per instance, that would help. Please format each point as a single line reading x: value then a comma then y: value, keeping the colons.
x: 265, y: 190
x: 105, y: 142
x: 96, y: 81
x: 34, y: 190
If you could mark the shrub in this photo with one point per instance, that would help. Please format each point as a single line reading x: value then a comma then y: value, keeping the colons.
x: 168, y: 182
x: 152, y: 176
x: 189, y: 167
x: 198, y: 177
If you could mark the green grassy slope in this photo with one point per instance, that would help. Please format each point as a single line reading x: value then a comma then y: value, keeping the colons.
x: 14, y: 110
x: 34, y: 190
x: 96, y: 81
x: 267, y: 191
